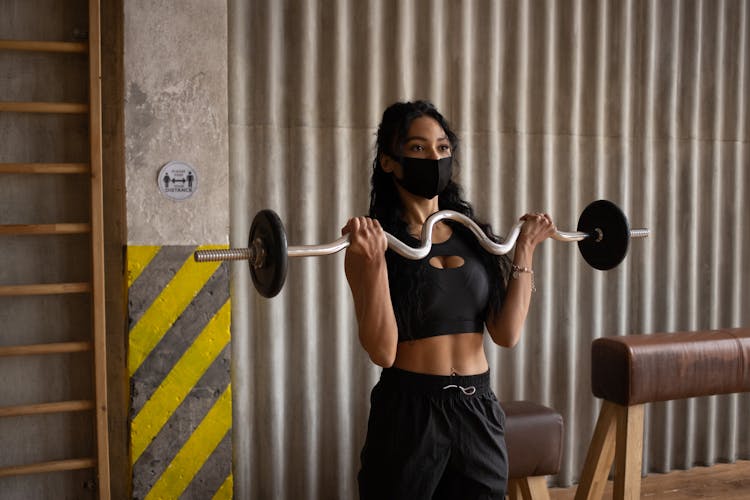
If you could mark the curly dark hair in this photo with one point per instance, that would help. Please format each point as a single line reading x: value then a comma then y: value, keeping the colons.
x: 387, y: 208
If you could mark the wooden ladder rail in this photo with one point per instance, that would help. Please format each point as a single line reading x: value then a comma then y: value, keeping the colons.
x: 44, y: 107
x: 56, y: 228
x: 44, y: 168
x: 53, y: 466
x: 44, y: 289
x: 97, y: 250
x: 40, y: 46
x: 50, y: 348
x: 97, y: 285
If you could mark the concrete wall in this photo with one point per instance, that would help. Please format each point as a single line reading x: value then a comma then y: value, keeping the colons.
x: 175, y: 109
x: 175, y: 69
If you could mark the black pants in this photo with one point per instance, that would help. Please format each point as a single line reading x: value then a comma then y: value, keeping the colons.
x: 435, y: 437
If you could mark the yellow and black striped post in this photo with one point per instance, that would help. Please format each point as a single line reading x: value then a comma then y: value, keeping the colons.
x: 179, y: 366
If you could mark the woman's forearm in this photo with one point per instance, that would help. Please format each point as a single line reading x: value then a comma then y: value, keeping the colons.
x: 506, y: 326
x: 378, y: 332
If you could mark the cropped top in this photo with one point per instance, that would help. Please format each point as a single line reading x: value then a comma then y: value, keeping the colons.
x: 454, y: 299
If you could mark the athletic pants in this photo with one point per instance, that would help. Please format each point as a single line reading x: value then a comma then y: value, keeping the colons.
x: 433, y: 437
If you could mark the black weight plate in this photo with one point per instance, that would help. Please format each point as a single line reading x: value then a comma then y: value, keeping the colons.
x: 269, y: 278
x: 615, y: 230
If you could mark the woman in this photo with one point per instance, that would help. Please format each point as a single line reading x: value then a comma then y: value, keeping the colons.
x: 435, y: 428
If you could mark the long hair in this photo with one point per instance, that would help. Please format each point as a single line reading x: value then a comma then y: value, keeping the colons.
x: 386, y: 206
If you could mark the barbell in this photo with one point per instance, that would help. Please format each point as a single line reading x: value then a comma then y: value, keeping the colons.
x: 603, y: 235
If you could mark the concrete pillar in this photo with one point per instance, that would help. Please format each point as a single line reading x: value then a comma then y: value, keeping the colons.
x: 175, y: 86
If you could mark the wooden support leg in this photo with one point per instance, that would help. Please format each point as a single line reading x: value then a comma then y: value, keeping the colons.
x: 600, y: 455
x: 629, y: 454
x: 528, y: 488
x: 618, y: 437
x: 514, y: 489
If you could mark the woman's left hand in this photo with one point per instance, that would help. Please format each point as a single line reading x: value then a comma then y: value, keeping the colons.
x: 537, y: 227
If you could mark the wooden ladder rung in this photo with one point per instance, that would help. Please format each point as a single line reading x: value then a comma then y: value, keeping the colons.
x: 41, y: 349
x: 44, y: 107
x: 60, y: 228
x: 54, y: 466
x: 40, y: 46
x: 44, y: 289
x: 44, y: 168
x: 46, y: 408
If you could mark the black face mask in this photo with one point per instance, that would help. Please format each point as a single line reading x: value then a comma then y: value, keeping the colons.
x: 424, y: 177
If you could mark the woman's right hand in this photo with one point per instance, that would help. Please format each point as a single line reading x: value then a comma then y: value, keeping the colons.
x: 367, y: 239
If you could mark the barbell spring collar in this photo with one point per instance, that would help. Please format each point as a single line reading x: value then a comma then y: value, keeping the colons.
x: 256, y: 256
x: 225, y: 254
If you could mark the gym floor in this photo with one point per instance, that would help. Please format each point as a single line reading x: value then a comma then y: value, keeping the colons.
x: 724, y: 481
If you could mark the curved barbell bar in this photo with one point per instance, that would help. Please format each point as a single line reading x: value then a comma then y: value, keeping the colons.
x: 256, y: 253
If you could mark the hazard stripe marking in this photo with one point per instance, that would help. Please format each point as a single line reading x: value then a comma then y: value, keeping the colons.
x: 176, y: 431
x: 175, y: 297
x: 185, y: 374
x: 226, y: 490
x: 138, y: 259
x: 179, y: 314
x: 153, y: 279
x: 186, y: 329
x: 191, y: 457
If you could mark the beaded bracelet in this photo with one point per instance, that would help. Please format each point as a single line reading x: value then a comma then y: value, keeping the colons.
x: 517, y: 270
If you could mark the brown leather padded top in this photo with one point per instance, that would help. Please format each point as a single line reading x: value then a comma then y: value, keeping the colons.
x: 534, y: 439
x: 636, y: 369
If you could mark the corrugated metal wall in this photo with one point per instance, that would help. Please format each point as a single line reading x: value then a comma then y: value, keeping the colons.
x: 558, y: 103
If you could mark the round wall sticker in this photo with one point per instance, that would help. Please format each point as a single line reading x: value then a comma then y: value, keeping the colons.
x: 177, y: 180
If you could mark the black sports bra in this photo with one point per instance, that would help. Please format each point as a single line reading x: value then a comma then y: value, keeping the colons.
x: 454, y: 299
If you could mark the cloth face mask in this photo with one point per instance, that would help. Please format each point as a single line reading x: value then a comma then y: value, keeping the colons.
x: 425, y: 177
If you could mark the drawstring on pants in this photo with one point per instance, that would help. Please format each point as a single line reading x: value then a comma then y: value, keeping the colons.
x: 469, y: 391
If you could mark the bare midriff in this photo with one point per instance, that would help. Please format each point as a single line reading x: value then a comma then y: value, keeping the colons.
x: 461, y: 354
